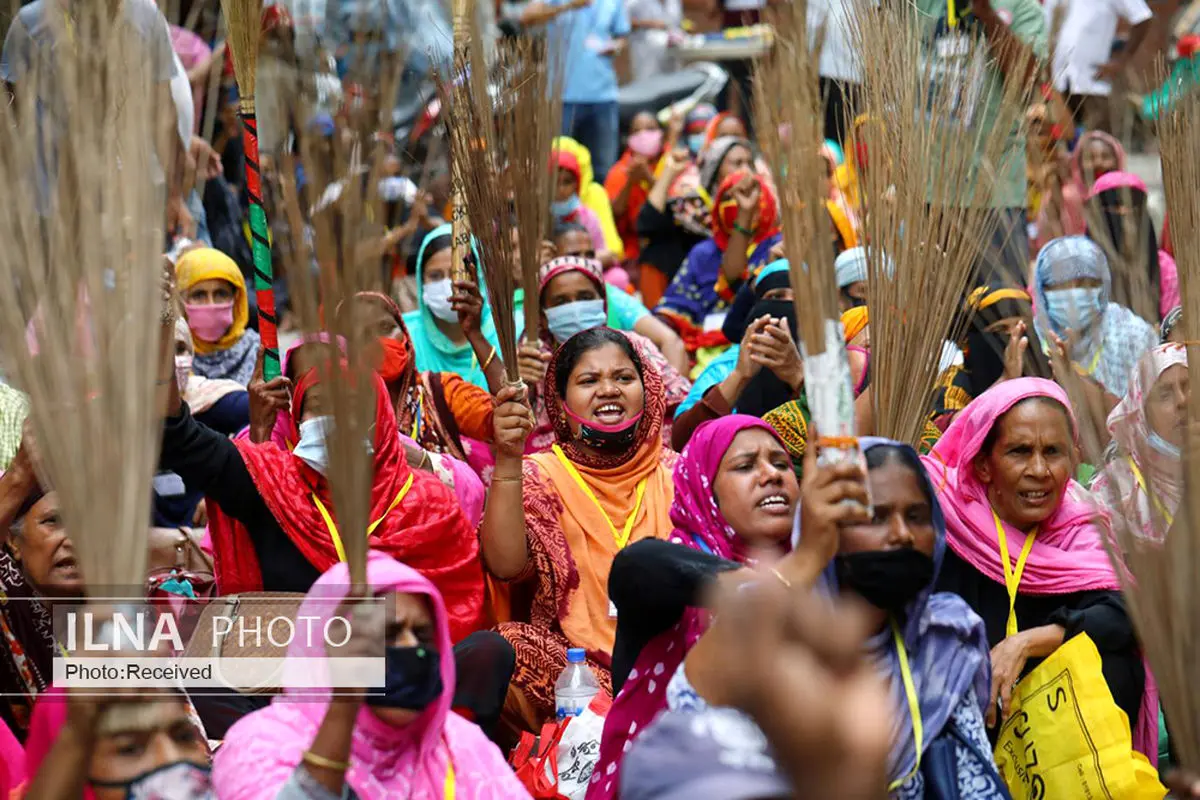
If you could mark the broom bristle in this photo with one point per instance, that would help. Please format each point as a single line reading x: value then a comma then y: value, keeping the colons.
x: 243, y: 22
x: 935, y: 155
x: 82, y: 264
x: 1162, y: 590
x: 325, y: 305
x: 789, y: 109
x: 475, y: 150
x: 529, y: 119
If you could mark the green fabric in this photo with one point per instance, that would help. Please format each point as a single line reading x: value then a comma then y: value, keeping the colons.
x: 1185, y: 77
x: 1085, y: 474
x: 1026, y: 19
x: 624, y: 310
x: 1164, y: 744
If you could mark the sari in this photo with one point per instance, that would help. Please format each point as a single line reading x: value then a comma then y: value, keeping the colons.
x: 413, y: 762
x: 1141, y: 483
x: 27, y: 636
x: 699, y: 525
x: 1109, y: 348
x: 675, y: 386
x: 1066, y: 556
x: 432, y: 349
x: 426, y: 529
x: 234, y: 355
x: 571, y: 546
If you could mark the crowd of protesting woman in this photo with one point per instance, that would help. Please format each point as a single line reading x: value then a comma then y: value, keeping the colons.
x: 656, y: 464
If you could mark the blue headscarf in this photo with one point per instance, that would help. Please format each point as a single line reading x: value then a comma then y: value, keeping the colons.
x: 946, y: 642
x: 1110, y: 347
x: 434, y: 350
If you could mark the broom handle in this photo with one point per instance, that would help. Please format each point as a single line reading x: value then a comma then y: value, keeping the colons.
x: 259, y: 244
x: 460, y: 228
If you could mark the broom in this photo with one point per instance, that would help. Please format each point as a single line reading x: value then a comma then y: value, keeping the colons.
x: 935, y: 159
x: 788, y: 104
x: 528, y: 120
x: 475, y: 150
x: 83, y: 311
x: 1160, y: 583
x: 324, y: 302
x: 243, y: 19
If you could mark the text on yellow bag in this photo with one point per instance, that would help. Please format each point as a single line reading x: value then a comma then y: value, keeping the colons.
x: 1066, y: 737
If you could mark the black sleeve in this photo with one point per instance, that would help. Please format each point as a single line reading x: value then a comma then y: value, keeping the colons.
x: 652, y: 583
x: 210, y: 463
x: 228, y: 415
x: 1102, y: 616
x: 652, y: 222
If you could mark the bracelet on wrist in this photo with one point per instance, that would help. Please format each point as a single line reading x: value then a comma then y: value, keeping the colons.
x: 314, y: 760
x: 742, y: 229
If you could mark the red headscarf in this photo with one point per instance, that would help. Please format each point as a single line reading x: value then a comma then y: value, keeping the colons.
x: 426, y: 530
x: 725, y: 211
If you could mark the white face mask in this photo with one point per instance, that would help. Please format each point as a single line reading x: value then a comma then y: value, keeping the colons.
x: 312, y: 448
x: 183, y: 368
x: 437, y: 300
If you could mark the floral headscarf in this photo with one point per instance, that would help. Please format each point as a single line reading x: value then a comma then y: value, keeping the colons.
x: 725, y: 211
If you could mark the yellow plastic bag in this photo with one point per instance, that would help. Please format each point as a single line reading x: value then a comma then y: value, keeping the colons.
x: 1066, y: 737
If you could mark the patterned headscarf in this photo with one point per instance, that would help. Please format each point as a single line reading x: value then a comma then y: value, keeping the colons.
x: 1170, y: 321
x: 1150, y: 496
x: 649, y: 427
x: 1112, y: 345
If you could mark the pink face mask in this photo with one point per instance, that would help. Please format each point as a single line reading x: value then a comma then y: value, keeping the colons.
x: 646, y: 143
x: 605, y: 436
x: 209, y: 322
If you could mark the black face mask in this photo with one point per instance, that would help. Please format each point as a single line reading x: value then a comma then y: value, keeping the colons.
x: 413, y: 678
x: 984, y: 359
x: 887, y: 579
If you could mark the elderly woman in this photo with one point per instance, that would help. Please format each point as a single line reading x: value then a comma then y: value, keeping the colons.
x: 1143, y: 479
x: 573, y: 299
x: 554, y: 522
x: 928, y: 645
x: 218, y: 311
x: 1072, y: 292
x: 1003, y: 471
x: 735, y: 491
x: 357, y: 745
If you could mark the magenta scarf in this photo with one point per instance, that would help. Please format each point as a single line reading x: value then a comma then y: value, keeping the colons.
x: 700, y: 526
x: 1068, y: 554
x: 262, y: 750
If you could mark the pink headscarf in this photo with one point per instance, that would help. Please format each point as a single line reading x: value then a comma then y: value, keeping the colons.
x: 699, y: 525
x: 387, y: 762
x: 1075, y: 189
x: 1129, y: 429
x: 1068, y: 554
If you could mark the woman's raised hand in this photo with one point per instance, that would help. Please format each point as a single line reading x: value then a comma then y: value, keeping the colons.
x: 512, y: 422
x: 531, y: 363
x: 824, y: 509
x: 267, y: 399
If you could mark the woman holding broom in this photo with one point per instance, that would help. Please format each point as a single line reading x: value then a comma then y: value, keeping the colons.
x: 1003, y: 471
x: 554, y: 521
x: 573, y: 299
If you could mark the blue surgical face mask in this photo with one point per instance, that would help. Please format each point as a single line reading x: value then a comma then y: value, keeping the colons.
x: 312, y: 448
x: 437, y: 300
x: 570, y: 318
x: 1161, y: 445
x: 565, y: 208
x: 695, y: 143
x: 1073, y: 309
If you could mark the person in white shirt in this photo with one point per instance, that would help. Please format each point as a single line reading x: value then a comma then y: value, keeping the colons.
x: 840, y: 68
x: 1084, y: 63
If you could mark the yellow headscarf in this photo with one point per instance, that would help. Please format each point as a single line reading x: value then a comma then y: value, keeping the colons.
x: 853, y: 322
x: 203, y: 264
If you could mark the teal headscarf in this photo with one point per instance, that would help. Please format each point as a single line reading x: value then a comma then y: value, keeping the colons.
x: 434, y: 350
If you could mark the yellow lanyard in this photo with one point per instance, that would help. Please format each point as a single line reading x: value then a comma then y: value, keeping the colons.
x: 1091, y: 370
x: 621, y: 537
x: 420, y: 413
x: 333, y: 531
x: 914, y: 707
x: 1012, y: 578
x: 448, y: 792
x: 1141, y: 482
x: 951, y: 14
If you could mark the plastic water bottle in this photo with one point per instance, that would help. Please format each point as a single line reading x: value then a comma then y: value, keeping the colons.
x: 575, y: 687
